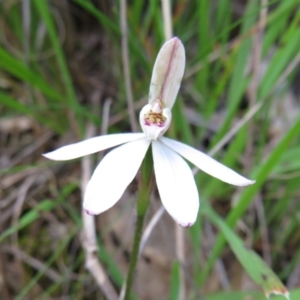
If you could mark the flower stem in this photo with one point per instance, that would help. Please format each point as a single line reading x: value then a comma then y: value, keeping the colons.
x: 134, y: 255
x: 145, y: 188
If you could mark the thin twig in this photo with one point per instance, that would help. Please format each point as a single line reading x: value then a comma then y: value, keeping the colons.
x: 179, y: 231
x: 105, y: 122
x: 167, y: 17
x: 257, y: 47
x: 253, y: 87
x: 150, y: 227
x: 235, y: 129
x: 180, y: 253
x: 105, y: 116
x: 126, y: 66
x: 22, y: 193
x: 288, y: 70
x: 252, y: 92
x: 88, y: 240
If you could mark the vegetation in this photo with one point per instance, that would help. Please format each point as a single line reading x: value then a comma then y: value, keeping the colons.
x: 62, y: 80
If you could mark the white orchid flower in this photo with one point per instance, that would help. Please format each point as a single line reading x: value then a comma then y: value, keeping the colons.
x: 174, y: 178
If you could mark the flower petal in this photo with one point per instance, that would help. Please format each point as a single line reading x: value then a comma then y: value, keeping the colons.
x: 112, y: 176
x: 92, y: 145
x: 207, y: 164
x: 167, y: 73
x: 176, y: 184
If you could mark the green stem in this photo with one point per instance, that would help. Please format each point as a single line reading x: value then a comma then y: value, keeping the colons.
x: 145, y: 188
x: 134, y: 255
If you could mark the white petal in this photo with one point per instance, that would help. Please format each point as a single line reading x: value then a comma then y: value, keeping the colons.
x: 92, y: 145
x: 176, y: 184
x: 112, y: 176
x: 207, y: 164
x: 167, y: 73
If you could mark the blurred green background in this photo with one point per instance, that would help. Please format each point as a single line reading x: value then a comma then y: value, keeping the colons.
x: 61, y: 72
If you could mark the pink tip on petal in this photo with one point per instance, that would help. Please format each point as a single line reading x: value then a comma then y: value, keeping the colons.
x: 89, y: 212
x: 186, y: 225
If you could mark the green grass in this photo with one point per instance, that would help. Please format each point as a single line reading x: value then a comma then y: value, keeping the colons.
x: 60, y: 91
